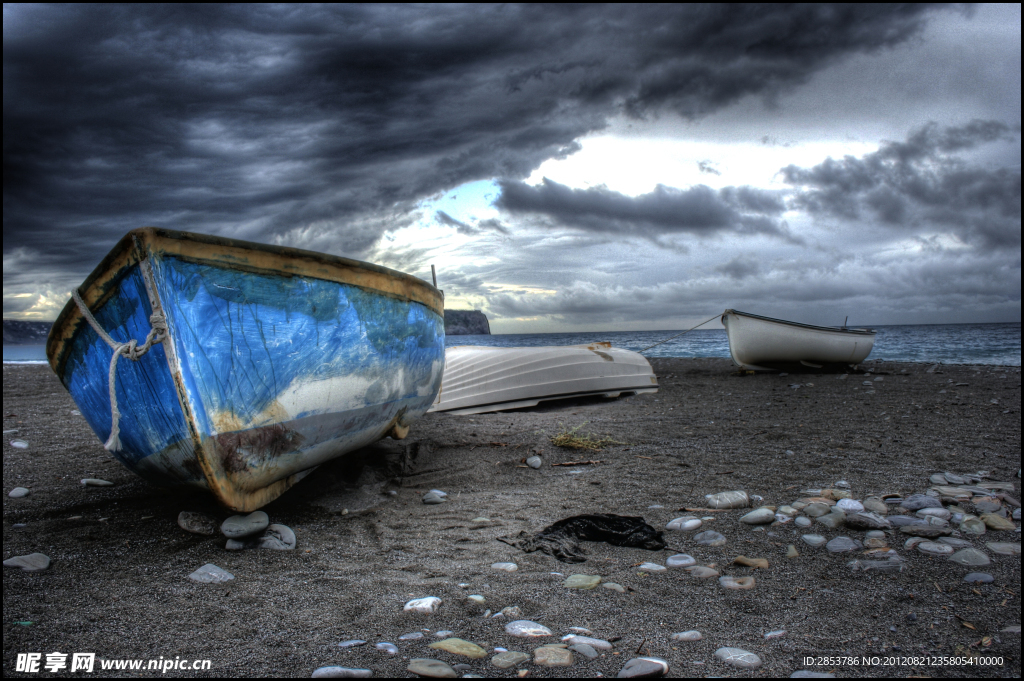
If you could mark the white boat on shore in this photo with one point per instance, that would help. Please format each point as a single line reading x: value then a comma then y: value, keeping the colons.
x: 480, y: 379
x: 762, y: 343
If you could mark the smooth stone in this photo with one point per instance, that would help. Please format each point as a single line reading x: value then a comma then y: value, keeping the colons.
x: 979, y: 578
x: 433, y: 498
x: 385, y: 647
x: 956, y: 543
x: 275, y: 537
x: 778, y: 633
x: 737, y: 583
x: 582, y: 631
x: 546, y: 656
x: 643, y: 668
x: 413, y: 636
x: 458, y: 646
x: 582, y: 582
x: 426, y: 606
x: 791, y: 552
x: 849, y: 506
x: 935, y: 521
x: 534, y: 462
x: 788, y: 510
x: 734, y: 499
x: 875, y: 543
x: 585, y: 650
x: 96, y: 482
x: 680, y: 560
x: 692, y: 635
x: 952, y: 479
x: 444, y: 633
x: 477, y: 598
x: 803, y: 522
x: 18, y: 493
x: 926, y: 513
x: 997, y: 523
x: 238, y: 526
x: 709, y: 538
x: 970, y: 558
x: 761, y: 563
x: 986, y: 504
x: 526, y: 629
x: 197, y: 523
x: 813, y: 540
x: 684, y: 524
x: 651, y: 567
x: 901, y: 520
x: 867, y: 520
x: 937, y: 479
x: 439, y: 493
x: 915, y: 502
x: 739, y: 658
x: 875, y: 534
x: 211, y: 574
x: 973, y: 526
x: 833, y: 520
x: 1004, y: 548
x: 912, y: 543
x: 1016, y: 514
x: 843, y: 545
x: 614, y: 587
x: 875, y: 505
x: 702, y: 572
x: 926, y: 531
x: 509, y: 659
x: 817, y: 510
x: 434, y: 669
x: 934, y: 548
x: 762, y: 516
x: 505, y: 567
x: 597, y: 643
x: 354, y: 643
x: 19, y: 444
x: 33, y: 562
x: 341, y: 673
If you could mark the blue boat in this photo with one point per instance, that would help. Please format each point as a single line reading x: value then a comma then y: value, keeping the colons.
x: 251, y: 364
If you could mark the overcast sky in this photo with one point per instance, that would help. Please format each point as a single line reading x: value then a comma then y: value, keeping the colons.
x: 565, y: 168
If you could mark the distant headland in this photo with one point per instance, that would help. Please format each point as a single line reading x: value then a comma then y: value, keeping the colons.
x: 17, y: 332
x: 462, y: 323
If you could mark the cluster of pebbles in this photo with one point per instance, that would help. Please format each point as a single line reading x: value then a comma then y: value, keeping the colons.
x: 253, y: 531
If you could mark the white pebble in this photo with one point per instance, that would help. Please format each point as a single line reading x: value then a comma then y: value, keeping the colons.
x: 506, y: 567
x: 426, y: 606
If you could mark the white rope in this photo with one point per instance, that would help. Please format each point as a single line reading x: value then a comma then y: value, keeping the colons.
x: 131, y: 350
x: 681, y: 333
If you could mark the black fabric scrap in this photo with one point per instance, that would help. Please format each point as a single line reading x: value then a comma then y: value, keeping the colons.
x: 562, y: 539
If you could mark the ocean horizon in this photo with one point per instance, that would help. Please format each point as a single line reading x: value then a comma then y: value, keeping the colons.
x: 997, y: 344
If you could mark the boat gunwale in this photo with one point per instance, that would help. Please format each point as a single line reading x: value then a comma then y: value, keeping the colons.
x: 138, y: 244
x: 831, y: 329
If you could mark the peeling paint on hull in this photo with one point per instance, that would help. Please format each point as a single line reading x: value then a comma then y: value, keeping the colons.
x: 273, y: 364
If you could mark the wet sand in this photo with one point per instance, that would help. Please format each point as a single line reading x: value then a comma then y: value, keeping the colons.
x: 118, y: 585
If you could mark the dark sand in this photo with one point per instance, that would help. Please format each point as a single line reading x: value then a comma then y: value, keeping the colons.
x: 118, y: 582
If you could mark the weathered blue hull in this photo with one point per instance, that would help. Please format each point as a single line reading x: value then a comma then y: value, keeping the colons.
x: 274, y: 360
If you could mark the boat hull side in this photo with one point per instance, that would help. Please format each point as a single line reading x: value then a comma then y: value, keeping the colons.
x: 282, y: 373
x: 755, y: 343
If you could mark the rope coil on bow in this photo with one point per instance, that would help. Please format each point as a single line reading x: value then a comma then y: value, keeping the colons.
x: 131, y: 350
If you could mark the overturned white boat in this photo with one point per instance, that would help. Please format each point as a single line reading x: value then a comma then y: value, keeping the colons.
x: 763, y: 343
x: 480, y: 379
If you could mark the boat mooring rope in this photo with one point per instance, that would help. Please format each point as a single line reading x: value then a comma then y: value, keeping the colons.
x: 131, y: 350
x: 681, y: 333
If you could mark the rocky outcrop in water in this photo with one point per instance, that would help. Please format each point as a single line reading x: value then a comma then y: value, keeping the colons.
x: 465, y: 323
x: 17, y: 332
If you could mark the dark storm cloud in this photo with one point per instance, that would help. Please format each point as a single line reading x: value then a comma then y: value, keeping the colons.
x: 322, y: 126
x: 921, y: 183
x: 482, y: 226
x: 666, y: 210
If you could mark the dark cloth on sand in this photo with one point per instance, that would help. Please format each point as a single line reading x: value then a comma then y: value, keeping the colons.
x: 562, y: 539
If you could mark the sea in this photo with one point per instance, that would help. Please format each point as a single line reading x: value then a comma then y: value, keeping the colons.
x: 992, y: 344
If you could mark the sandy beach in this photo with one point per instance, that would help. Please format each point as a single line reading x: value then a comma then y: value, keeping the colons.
x: 118, y: 583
